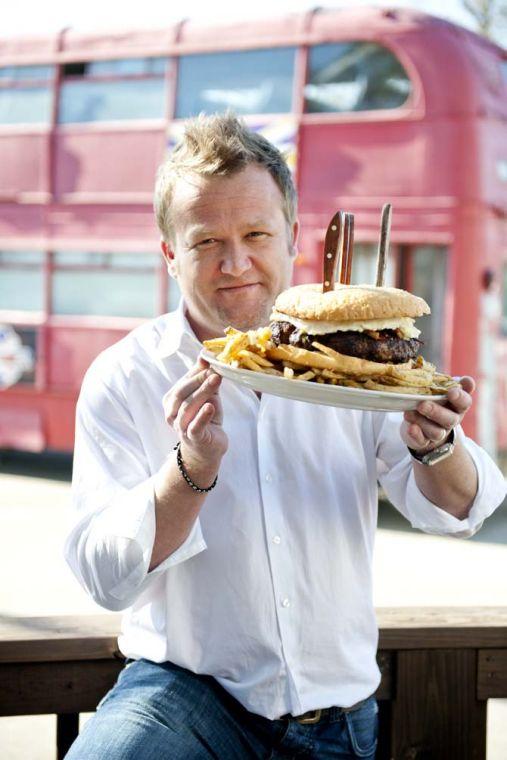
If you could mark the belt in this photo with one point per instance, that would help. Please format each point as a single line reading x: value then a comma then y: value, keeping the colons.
x: 314, y: 716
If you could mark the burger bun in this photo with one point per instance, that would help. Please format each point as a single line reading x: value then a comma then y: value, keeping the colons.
x: 349, y: 303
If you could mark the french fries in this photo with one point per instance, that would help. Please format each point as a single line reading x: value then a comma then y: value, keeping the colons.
x: 255, y: 351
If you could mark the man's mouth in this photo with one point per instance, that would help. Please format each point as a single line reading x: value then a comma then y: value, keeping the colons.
x: 239, y: 288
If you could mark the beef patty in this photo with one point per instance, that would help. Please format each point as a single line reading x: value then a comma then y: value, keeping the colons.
x: 388, y: 347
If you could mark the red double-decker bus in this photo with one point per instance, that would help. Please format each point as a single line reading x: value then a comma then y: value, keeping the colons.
x: 372, y: 105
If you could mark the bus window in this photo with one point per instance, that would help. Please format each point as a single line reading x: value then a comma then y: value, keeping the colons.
x: 354, y: 76
x: 25, y: 94
x: 364, y: 265
x: 133, y: 88
x: 429, y: 274
x: 21, y: 281
x: 105, y: 284
x: 247, y: 81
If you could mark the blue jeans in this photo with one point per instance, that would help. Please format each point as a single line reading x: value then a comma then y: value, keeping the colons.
x: 160, y: 711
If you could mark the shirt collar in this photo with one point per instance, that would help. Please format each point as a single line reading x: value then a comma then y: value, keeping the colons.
x: 178, y: 334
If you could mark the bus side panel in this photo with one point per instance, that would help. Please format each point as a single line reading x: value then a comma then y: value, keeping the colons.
x: 116, y: 161
x: 417, y: 159
x: 71, y: 350
x: 24, y: 164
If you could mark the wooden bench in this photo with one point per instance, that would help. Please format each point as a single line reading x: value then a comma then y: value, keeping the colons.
x: 439, y: 667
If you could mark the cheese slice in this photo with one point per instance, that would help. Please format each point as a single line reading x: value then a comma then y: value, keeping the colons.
x: 317, y: 327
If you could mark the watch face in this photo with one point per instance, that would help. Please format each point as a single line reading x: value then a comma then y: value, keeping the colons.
x: 438, y: 454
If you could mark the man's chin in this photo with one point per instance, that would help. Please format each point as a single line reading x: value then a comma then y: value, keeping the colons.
x: 246, y: 321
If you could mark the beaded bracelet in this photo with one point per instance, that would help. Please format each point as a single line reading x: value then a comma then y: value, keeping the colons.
x: 189, y: 480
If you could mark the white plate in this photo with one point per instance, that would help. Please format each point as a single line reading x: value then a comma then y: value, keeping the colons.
x: 318, y: 393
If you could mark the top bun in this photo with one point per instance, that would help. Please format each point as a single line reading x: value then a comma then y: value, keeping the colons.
x: 347, y: 303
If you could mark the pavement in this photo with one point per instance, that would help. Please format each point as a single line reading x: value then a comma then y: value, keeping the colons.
x: 410, y: 569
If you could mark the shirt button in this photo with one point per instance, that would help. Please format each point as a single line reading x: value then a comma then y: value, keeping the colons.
x: 276, y: 539
x: 285, y: 602
x: 269, y: 478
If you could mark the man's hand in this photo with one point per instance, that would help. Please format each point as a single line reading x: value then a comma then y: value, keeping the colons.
x: 427, y: 427
x: 193, y: 408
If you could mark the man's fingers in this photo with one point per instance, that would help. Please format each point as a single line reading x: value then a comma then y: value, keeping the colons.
x: 467, y: 383
x: 460, y: 399
x: 182, y: 390
x: 430, y: 430
x: 434, y: 414
x: 414, y: 437
x: 190, y: 406
x: 198, y: 428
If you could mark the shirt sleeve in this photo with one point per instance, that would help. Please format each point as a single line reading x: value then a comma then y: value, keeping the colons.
x: 110, y: 540
x: 396, y: 476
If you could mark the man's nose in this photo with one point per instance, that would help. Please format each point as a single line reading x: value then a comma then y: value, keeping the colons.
x: 236, y: 260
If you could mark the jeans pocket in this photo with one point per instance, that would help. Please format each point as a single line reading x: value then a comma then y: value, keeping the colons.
x: 362, y: 726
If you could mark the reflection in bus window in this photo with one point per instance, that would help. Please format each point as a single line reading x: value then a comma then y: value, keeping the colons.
x: 133, y: 88
x: 21, y: 280
x: 25, y: 94
x: 354, y: 76
x: 429, y: 273
x: 105, y: 284
x: 127, y: 67
x: 21, y: 73
x: 248, y: 81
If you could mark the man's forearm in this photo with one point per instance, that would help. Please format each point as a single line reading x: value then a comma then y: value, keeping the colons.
x: 451, y: 484
x: 177, y: 506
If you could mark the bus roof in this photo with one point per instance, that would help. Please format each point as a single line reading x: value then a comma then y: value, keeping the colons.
x: 459, y: 71
x: 315, y: 26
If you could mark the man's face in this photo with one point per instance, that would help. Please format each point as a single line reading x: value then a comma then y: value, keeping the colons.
x: 232, y: 250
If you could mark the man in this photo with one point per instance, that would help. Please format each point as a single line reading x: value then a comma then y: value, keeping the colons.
x: 243, y: 558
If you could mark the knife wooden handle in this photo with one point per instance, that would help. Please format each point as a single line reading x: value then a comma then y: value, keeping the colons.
x: 331, y: 246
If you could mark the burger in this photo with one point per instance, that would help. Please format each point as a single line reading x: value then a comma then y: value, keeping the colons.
x: 375, y: 324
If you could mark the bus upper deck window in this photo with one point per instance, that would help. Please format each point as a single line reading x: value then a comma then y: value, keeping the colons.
x: 25, y: 94
x: 248, y: 81
x: 354, y: 76
x: 130, y: 88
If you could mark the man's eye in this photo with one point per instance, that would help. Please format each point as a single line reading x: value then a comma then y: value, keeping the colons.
x: 203, y: 243
x: 256, y: 234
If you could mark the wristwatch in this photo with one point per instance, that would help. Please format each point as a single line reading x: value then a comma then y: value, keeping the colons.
x: 435, y: 455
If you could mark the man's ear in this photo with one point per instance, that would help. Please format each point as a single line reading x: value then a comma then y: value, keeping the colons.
x: 169, y: 258
x: 295, y: 237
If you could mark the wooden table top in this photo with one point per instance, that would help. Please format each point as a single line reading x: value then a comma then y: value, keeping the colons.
x: 92, y: 637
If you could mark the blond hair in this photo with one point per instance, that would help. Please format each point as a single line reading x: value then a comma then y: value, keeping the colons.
x: 220, y: 144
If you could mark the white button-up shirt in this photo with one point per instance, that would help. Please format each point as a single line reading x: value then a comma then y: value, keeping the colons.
x: 271, y: 593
